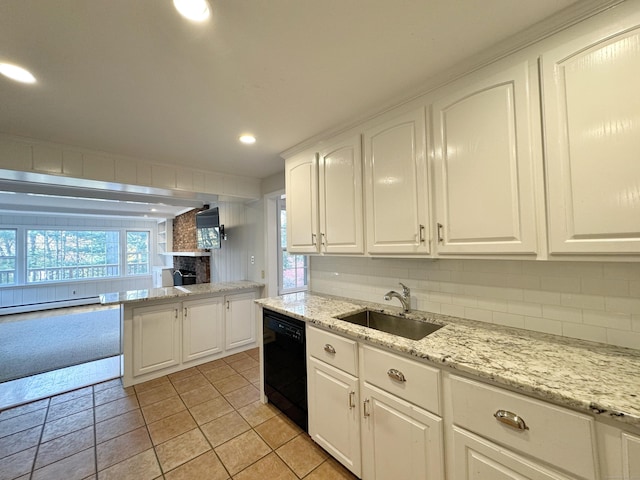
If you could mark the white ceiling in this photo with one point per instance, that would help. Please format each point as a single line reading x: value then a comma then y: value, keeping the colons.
x: 132, y: 77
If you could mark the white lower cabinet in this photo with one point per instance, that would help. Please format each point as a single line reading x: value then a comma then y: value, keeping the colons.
x: 169, y: 336
x: 202, y: 328
x: 156, y: 337
x: 500, y: 431
x: 373, y: 430
x: 334, y: 416
x: 479, y: 459
x: 399, y: 439
x: 240, y: 320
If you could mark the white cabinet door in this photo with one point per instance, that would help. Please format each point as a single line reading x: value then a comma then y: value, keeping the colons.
x: 630, y: 456
x: 341, y: 215
x: 334, y: 416
x: 399, y: 440
x: 591, y: 107
x: 240, y: 320
x: 479, y: 459
x: 202, y: 328
x: 301, y: 180
x: 156, y: 337
x: 396, y: 188
x: 484, y: 162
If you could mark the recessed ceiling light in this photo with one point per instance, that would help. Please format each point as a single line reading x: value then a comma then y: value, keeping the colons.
x: 247, y: 139
x: 195, y: 10
x: 16, y: 73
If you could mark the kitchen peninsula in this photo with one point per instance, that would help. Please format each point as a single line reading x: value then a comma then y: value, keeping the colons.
x: 470, y: 390
x: 165, y: 330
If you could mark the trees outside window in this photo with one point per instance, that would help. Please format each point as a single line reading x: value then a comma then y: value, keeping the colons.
x: 138, y: 253
x: 7, y: 256
x: 293, y: 270
x: 55, y: 255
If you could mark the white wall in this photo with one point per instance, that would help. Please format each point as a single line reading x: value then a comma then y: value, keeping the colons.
x: 31, y: 294
x: 593, y: 301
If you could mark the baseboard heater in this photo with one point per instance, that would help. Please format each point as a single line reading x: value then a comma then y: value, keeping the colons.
x: 36, y: 307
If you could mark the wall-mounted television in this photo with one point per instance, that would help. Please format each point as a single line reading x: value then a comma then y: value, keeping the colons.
x: 209, y: 232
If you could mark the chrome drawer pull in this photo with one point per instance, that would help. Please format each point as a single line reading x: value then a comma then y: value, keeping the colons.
x: 396, y: 375
x: 511, y: 419
x: 352, y: 396
x: 365, y: 409
x: 329, y: 349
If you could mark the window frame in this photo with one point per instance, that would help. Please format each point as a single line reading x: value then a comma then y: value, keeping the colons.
x: 280, y: 207
x: 125, y: 256
x: 21, y: 254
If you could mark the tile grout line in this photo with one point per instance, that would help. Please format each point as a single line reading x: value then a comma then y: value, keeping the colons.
x: 35, y: 456
x: 95, y: 431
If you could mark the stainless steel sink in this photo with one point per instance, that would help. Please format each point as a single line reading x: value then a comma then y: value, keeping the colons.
x: 394, y: 324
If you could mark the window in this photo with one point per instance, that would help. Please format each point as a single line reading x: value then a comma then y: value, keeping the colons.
x: 7, y: 256
x: 55, y: 255
x: 138, y: 253
x: 292, y: 269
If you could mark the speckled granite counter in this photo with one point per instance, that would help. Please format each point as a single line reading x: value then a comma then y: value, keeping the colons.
x: 600, y: 379
x: 132, y: 296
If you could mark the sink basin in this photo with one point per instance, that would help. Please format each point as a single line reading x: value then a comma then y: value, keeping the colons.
x: 394, y: 324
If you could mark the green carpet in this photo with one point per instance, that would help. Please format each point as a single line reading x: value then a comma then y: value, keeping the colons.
x: 39, y: 342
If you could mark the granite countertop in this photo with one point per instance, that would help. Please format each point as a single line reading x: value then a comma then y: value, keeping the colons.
x: 593, y: 377
x: 165, y: 293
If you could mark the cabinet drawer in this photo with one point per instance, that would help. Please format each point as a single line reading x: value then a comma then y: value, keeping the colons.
x: 333, y: 349
x: 552, y: 434
x: 407, y: 379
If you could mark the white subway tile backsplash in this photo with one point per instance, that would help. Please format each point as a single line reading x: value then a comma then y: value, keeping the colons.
x: 478, y: 314
x: 544, y: 325
x: 453, y: 310
x: 563, y: 314
x: 576, y: 299
x: 522, y: 308
x: 428, y: 306
x: 561, y: 284
x: 622, y: 305
x: 584, y: 332
x: 605, y: 286
x: 593, y: 302
x: 540, y: 296
x: 508, y: 319
x: 495, y: 305
x: 623, y: 338
x: 618, y: 321
x: 464, y: 300
x: 627, y: 271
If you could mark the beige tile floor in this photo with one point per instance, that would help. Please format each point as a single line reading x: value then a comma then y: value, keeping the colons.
x: 206, y: 422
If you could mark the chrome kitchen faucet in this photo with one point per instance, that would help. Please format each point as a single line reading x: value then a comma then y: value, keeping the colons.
x: 405, y: 297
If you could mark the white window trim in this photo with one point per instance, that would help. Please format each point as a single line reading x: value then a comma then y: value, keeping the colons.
x: 280, y: 203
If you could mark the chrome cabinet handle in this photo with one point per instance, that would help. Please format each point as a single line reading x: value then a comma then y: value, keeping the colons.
x: 440, y: 236
x: 176, y: 313
x: 511, y: 419
x: 329, y: 349
x: 313, y: 239
x: 352, y: 397
x: 396, y: 375
x: 323, y: 239
x: 185, y: 312
x: 422, y: 240
x: 365, y: 409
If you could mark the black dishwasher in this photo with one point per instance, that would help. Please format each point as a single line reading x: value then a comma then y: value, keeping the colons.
x: 285, y: 365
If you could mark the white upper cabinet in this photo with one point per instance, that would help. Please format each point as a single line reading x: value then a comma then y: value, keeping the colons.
x: 591, y: 105
x: 484, y: 160
x: 324, y: 199
x: 396, y: 188
x: 301, y: 179
x: 340, y: 185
